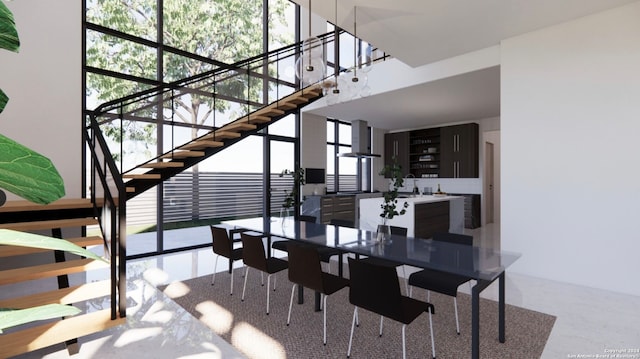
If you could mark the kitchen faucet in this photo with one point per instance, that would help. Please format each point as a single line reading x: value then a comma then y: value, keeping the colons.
x: 415, y: 188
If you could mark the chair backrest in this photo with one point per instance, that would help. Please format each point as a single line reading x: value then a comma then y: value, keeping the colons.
x: 398, y: 231
x: 453, y: 238
x: 253, y: 253
x: 342, y: 222
x: 222, y: 244
x: 305, y: 218
x: 304, y: 266
x: 375, y: 288
x: 462, y: 257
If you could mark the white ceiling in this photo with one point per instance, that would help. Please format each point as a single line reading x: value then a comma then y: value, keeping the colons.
x: 419, y: 32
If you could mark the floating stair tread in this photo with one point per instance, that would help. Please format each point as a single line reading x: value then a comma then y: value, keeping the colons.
x: 270, y: 111
x: 69, y: 295
x: 163, y: 164
x: 142, y: 176
x: 222, y: 134
x: 17, y: 275
x: 183, y: 154
x: 65, y: 203
x: 196, y: 145
x: 259, y: 119
x: 59, y: 223
x: 239, y: 125
x: 286, y: 105
x: 30, y: 339
x: 298, y: 100
x: 9, y: 251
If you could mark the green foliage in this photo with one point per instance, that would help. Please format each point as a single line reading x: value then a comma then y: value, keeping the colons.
x: 23, y: 239
x: 222, y: 30
x: 298, y: 180
x: 3, y: 100
x: 28, y: 174
x: 390, y: 204
x: 8, y: 33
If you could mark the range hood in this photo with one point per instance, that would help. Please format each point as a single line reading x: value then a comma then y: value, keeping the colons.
x: 359, y: 141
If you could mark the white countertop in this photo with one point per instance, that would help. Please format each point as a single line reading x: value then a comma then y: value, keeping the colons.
x: 417, y: 199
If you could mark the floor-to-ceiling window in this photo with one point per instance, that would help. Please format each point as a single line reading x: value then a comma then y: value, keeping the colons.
x: 134, y: 45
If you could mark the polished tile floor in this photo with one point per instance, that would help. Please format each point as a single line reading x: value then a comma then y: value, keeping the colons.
x: 589, y: 322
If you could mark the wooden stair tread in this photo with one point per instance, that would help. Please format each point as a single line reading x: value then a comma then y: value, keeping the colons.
x: 259, y: 119
x: 59, y: 223
x: 17, y: 275
x: 64, y: 203
x: 69, y: 295
x: 130, y: 189
x: 200, y: 144
x: 221, y: 135
x: 9, y: 251
x: 30, y: 339
x: 270, y: 111
x: 286, y: 105
x: 183, y: 154
x: 163, y: 164
x: 142, y: 176
x: 239, y: 125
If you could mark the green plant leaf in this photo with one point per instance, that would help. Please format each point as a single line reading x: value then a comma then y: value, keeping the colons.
x: 28, y: 174
x: 3, y: 100
x: 23, y: 239
x: 13, y: 317
x: 8, y: 34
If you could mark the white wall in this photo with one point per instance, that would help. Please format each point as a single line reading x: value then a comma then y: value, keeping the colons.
x: 570, y: 124
x: 43, y: 82
x: 313, y: 141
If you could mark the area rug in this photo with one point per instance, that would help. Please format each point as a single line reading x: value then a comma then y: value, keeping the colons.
x: 246, y: 326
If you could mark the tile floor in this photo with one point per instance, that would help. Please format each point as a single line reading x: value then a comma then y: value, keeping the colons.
x: 590, y: 322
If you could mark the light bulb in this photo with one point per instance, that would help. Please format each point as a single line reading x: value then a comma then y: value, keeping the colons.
x: 314, y: 46
x: 310, y: 70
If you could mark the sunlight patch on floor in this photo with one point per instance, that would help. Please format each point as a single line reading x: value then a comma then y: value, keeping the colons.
x: 258, y: 345
x: 215, y: 316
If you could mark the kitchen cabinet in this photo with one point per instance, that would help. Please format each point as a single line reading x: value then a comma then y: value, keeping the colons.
x: 396, y: 145
x: 459, y: 151
x: 328, y: 207
x: 424, y: 153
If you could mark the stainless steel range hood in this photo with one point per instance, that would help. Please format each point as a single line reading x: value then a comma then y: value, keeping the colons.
x: 359, y: 141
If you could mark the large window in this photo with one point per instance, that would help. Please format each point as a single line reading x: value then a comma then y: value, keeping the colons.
x: 134, y: 45
x: 341, y: 171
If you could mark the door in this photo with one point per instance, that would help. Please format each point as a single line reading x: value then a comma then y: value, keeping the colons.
x: 281, y: 158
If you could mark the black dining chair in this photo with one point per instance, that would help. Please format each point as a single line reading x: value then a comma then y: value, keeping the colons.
x: 325, y: 252
x: 281, y: 245
x: 376, y: 288
x: 253, y: 255
x: 223, y: 245
x: 398, y: 231
x: 441, y: 282
x: 305, y: 269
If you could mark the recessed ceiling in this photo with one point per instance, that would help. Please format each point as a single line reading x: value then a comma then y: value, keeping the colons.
x: 420, y: 32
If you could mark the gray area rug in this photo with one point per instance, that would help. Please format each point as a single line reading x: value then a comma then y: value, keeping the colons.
x: 245, y: 325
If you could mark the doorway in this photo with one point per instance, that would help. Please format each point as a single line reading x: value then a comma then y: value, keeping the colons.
x: 491, y: 182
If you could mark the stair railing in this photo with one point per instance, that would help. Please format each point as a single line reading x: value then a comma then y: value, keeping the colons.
x: 107, y: 186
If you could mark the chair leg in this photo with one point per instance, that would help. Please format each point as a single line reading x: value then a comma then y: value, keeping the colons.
x: 262, y: 279
x: 433, y: 343
x: 244, y: 287
x: 231, y: 285
x: 215, y: 267
x: 455, y: 307
x: 353, y: 322
x: 268, y: 282
x: 274, y: 283
x: 381, y: 321
x: 293, y: 289
x: 404, y: 351
x: 410, y: 289
x: 324, y: 323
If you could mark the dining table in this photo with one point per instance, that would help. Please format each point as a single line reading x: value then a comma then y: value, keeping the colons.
x: 483, y: 265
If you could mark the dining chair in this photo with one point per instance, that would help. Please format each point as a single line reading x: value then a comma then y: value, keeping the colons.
x: 398, y: 231
x: 441, y: 282
x: 376, y: 288
x: 325, y: 252
x: 253, y: 255
x: 223, y: 246
x: 305, y: 269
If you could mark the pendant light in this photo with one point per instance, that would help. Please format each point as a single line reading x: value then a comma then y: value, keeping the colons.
x: 310, y: 66
x: 360, y: 85
x: 333, y: 93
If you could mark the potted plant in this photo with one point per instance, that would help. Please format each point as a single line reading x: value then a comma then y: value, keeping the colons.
x: 290, y: 196
x: 390, y: 206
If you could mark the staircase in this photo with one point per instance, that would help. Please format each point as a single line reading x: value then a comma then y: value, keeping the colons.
x: 161, y: 168
x: 38, y: 268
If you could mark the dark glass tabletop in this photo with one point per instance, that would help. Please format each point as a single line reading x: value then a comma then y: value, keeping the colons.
x: 471, y: 261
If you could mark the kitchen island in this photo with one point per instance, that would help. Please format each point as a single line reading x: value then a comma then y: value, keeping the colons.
x: 425, y: 215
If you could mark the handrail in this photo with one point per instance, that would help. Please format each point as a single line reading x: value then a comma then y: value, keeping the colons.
x: 113, y: 214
